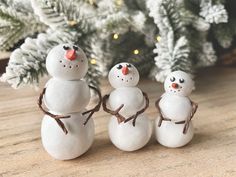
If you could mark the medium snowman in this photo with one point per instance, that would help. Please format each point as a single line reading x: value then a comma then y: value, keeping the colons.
x: 67, y: 130
x: 174, y: 127
x: 129, y: 128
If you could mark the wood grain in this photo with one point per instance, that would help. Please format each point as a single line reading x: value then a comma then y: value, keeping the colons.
x: 212, y: 152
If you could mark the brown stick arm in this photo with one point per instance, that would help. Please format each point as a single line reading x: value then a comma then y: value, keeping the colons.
x: 134, y: 117
x: 116, y: 113
x: 96, y: 108
x: 54, y: 116
x: 187, y: 122
x: 157, y: 104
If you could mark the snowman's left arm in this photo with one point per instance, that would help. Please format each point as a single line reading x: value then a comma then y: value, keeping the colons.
x: 96, y: 108
x: 134, y: 117
x: 194, y: 109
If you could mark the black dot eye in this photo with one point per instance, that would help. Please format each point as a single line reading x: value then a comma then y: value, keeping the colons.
x: 75, y: 47
x: 66, y: 47
x: 128, y: 65
x: 172, y: 79
x: 181, y: 80
x: 119, y: 67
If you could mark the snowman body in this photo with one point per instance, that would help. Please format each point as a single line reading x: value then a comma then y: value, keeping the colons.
x: 63, y: 146
x: 131, y: 97
x: 67, y: 94
x: 125, y: 136
x: 176, y: 106
x: 171, y: 135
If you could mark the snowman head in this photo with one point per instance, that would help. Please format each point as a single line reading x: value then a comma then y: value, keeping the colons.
x: 123, y: 75
x: 179, y: 83
x: 67, y: 61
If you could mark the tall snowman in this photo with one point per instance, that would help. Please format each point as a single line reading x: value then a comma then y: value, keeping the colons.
x: 67, y: 130
x: 129, y: 127
x: 174, y: 127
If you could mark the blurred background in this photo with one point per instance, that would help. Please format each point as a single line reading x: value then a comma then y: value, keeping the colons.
x: 157, y: 36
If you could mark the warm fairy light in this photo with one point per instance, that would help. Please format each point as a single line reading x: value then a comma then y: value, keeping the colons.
x: 119, y: 2
x: 115, y: 36
x: 158, y: 38
x: 91, y: 2
x: 72, y: 23
x: 136, y: 51
x: 93, y: 61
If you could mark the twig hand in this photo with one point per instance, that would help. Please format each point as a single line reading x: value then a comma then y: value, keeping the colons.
x: 96, y: 108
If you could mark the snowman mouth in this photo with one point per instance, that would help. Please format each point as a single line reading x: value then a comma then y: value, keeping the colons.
x: 69, y: 66
x: 125, y: 79
x: 174, y: 90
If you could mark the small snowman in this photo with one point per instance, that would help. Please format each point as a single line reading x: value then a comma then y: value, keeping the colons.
x: 129, y: 127
x: 174, y: 127
x: 67, y: 130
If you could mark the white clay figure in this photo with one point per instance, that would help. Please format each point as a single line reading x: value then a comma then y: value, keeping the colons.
x: 128, y: 130
x: 174, y: 127
x: 71, y: 134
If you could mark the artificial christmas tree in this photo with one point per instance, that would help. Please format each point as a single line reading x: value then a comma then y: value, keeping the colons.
x: 175, y: 35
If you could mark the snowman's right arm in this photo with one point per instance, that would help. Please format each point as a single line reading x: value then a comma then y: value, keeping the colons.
x: 157, y: 104
x: 116, y: 113
x: 56, y: 117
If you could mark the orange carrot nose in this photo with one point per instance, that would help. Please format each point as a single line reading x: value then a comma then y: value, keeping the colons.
x: 125, y: 70
x: 71, y: 55
x: 175, y: 85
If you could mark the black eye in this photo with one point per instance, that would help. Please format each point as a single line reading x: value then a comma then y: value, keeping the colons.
x: 172, y: 79
x: 66, y: 47
x: 75, y: 47
x: 128, y: 65
x: 181, y: 80
x: 119, y: 67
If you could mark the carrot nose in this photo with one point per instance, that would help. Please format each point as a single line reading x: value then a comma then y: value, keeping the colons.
x: 175, y: 85
x: 125, y: 70
x: 71, y: 55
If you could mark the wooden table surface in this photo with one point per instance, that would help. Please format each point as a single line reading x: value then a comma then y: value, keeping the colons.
x: 211, y: 153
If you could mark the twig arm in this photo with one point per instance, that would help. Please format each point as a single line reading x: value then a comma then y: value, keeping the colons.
x: 96, y: 108
x: 135, y: 116
x: 187, y: 122
x: 116, y: 113
x: 157, y: 104
x: 54, y: 116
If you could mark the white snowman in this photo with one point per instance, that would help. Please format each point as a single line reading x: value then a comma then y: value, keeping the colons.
x: 127, y: 102
x: 66, y: 130
x: 174, y: 127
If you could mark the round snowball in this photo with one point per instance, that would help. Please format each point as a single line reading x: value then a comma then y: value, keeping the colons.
x: 183, y: 80
x: 171, y: 135
x: 63, y: 146
x: 63, y: 96
x: 131, y: 97
x: 118, y: 79
x: 59, y: 66
x: 127, y: 137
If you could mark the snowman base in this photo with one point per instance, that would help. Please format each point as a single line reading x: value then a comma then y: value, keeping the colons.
x: 171, y: 135
x: 63, y: 146
x: 126, y: 137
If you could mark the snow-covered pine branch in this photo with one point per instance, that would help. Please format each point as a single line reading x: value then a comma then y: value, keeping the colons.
x: 16, y: 24
x: 173, y: 48
x: 213, y: 13
x: 27, y: 63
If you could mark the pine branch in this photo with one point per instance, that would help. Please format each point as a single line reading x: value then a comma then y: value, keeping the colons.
x: 213, y: 13
x: 27, y: 64
x: 173, y: 50
x: 16, y: 25
x: 64, y: 14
